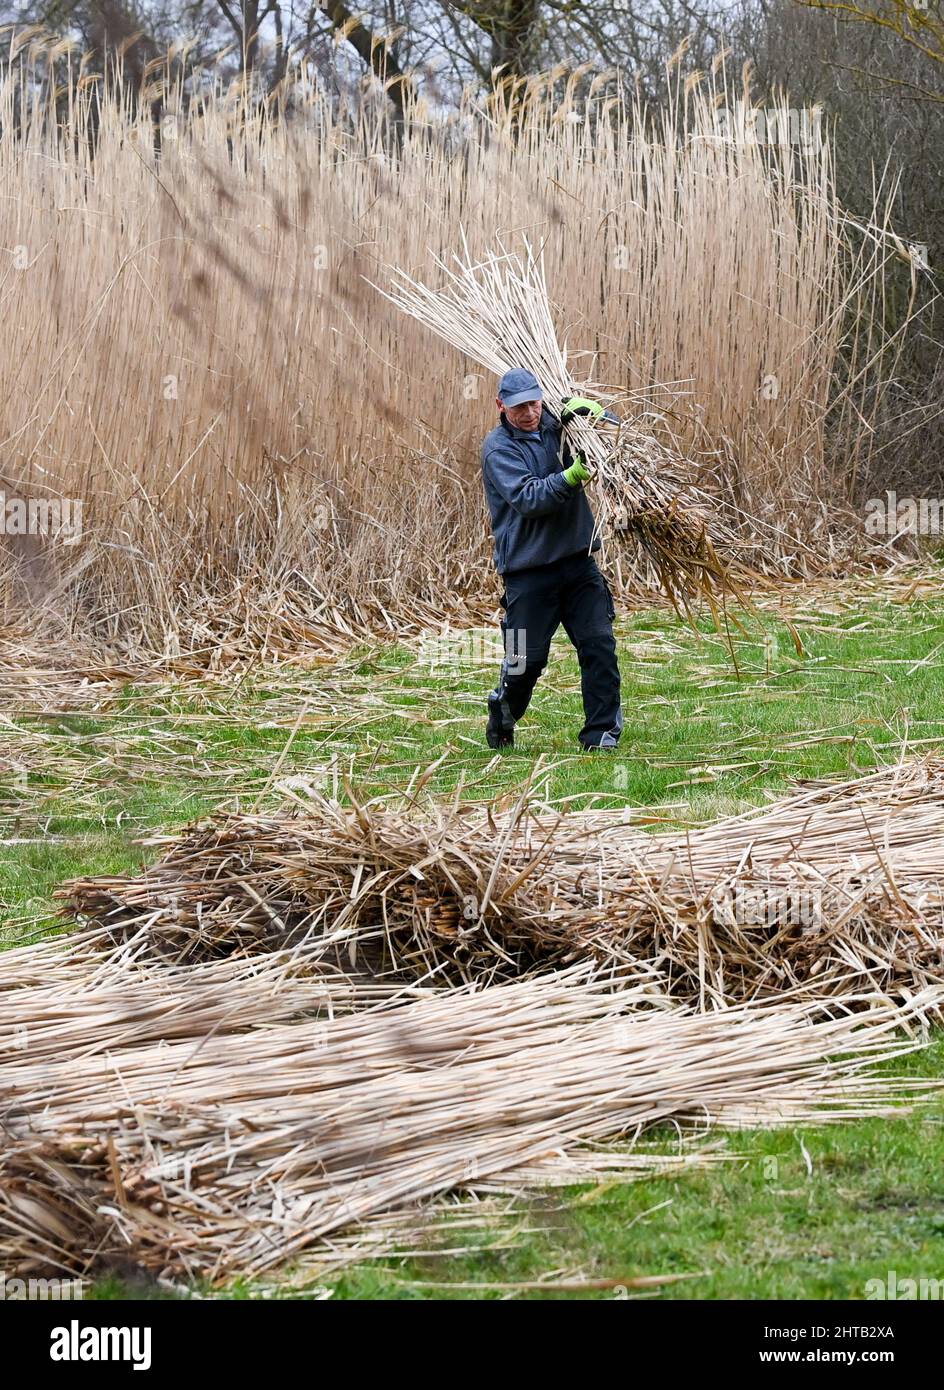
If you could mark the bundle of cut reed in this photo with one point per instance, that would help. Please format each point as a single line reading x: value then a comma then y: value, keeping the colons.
x: 67, y: 997
x: 829, y: 892
x: 895, y: 809
x: 235, y: 1152
x: 497, y: 311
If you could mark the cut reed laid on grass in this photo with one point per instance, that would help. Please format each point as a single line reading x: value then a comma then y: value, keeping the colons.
x: 295, y: 1026
x: 241, y: 1150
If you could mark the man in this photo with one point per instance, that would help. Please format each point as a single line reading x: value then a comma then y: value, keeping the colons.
x: 542, y: 524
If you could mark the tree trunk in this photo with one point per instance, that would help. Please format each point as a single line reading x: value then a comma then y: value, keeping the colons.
x: 514, y: 33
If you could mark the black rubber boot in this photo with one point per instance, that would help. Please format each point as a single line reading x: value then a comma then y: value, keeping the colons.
x: 500, y: 729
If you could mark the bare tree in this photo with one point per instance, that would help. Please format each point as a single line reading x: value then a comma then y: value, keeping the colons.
x: 913, y: 24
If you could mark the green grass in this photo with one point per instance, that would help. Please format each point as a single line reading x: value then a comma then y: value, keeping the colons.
x: 700, y: 740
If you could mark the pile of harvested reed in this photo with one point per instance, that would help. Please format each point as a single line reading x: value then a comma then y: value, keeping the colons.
x: 830, y: 891
x: 236, y: 1150
x: 247, y: 1060
x: 498, y: 312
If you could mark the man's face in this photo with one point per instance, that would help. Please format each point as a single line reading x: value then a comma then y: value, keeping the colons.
x: 526, y: 416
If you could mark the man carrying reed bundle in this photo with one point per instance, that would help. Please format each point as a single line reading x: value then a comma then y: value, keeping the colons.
x: 543, y: 529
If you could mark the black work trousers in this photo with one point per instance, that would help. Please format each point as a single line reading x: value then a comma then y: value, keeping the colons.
x: 537, y: 601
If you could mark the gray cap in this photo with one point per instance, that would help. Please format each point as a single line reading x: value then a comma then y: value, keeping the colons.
x: 519, y: 385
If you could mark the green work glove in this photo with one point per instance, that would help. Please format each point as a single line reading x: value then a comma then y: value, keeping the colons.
x: 580, y: 405
x: 576, y: 473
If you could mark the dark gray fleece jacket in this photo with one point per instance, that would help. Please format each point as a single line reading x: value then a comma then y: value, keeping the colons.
x: 537, y: 517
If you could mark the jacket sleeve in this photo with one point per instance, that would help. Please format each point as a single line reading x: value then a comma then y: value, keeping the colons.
x: 525, y: 491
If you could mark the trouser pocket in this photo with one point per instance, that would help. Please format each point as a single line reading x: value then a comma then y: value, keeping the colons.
x: 610, y: 605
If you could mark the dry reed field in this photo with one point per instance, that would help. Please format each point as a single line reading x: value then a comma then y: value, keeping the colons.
x: 269, y: 456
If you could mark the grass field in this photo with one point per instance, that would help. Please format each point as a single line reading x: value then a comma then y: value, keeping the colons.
x: 812, y: 1213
